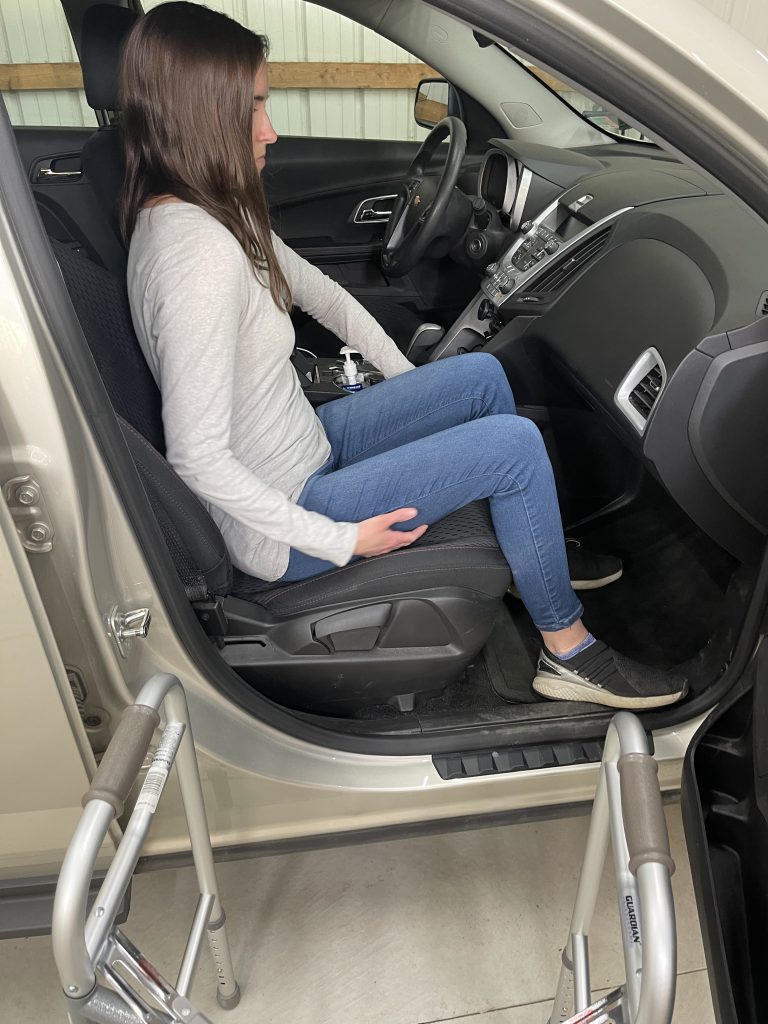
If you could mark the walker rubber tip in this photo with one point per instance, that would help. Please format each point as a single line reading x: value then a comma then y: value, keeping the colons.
x: 228, y: 1002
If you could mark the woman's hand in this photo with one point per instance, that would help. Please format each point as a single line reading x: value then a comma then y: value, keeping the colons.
x: 376, y: 537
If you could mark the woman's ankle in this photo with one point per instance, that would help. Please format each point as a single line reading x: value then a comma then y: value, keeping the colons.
x: 563, y: 641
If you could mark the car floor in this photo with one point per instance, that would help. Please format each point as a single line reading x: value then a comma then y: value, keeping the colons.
x: 676, y: 605
x: 458, y: 927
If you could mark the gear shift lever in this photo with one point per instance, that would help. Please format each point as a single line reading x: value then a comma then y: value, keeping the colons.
x: 425, y: 336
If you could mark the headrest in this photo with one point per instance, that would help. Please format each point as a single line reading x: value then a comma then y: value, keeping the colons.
x: 102, y: 35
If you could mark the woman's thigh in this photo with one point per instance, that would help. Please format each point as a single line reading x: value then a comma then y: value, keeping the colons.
x: 435, y: 475
x: 413, y: 405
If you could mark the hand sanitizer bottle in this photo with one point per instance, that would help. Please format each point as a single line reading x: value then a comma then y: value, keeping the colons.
x: 351, y: 378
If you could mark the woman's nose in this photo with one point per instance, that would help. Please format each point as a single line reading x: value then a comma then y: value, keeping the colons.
x: 268, y: 133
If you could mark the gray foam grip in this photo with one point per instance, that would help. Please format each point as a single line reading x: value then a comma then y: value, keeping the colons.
x: 644, y: 823
x: 123, y: 757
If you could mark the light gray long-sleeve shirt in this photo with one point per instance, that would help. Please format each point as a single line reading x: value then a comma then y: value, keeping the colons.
x: 238, y: 428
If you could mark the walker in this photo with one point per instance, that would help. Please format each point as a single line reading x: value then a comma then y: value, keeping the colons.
x: 94, y: 959
x: 107, y: 980
x: 627, y: 810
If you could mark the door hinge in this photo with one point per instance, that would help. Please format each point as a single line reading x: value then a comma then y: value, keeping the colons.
x: 124, y: 627
x: 33, y: 524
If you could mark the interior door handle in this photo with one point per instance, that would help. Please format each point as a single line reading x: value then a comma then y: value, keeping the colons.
x: 46, y: 171
x: 372, y: 210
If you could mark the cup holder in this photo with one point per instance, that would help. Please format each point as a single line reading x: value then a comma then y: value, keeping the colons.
x: 369, y: 377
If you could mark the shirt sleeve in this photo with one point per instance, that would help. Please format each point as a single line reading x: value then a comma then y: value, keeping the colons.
x: 336, y: 309
x: 196, y: 296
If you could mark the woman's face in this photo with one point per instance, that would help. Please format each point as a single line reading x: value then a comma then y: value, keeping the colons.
x: 262, y: 133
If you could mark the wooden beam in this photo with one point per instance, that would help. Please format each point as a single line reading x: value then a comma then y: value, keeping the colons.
x: 550, y: 80
x: 320, y: 75
x: 17, y: 77
x: 431, y: 111
x: 283, y: 75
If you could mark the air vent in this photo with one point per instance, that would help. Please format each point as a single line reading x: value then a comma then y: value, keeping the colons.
x: 639, y: 391
x: 762, y: 305
x: 644, y: 394
x: 561, y: 272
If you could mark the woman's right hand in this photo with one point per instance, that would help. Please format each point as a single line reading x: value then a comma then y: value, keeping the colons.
x: 375, y: 536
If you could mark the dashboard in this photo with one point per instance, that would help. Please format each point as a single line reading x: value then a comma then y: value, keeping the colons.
x: 648, y: 289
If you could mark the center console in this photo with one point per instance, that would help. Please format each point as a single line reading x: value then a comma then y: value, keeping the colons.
x: 322, y: 379
x: 555, y: 241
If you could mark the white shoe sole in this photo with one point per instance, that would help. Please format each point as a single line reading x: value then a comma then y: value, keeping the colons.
x: 581, y: 584
x: 574, y: 688
x: 596, y: 584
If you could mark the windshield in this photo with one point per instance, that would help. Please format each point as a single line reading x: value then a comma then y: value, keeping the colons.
x: 596, y: 113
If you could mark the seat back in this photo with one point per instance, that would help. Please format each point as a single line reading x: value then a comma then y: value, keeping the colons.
x: 103, y: 33
x: 193, y: 539
x: 101, y: 303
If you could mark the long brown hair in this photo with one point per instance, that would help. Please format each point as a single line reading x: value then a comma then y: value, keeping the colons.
x: 186, y: 101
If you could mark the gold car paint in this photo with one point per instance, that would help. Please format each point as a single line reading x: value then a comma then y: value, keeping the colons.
x: 260, y: 784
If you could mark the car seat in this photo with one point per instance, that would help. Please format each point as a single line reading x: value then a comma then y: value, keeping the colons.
x: 379, y: 630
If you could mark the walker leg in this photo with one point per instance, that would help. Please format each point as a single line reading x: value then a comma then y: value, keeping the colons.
x: 228, y: 991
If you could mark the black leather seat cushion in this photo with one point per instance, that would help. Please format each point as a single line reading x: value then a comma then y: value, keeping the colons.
x: 459, y: 551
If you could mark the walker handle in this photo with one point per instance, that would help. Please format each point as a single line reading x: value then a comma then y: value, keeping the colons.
x: 645, y: 826
x: 123, y: 757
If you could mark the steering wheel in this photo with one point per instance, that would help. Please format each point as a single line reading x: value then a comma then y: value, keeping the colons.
x: 416, y: 218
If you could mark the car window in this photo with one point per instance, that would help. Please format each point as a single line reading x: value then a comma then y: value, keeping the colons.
x: 329, y: 76
x: 593, y: 110
x: 40, y: 78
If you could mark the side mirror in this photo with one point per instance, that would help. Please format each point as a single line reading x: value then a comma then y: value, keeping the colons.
x: 435, y: 99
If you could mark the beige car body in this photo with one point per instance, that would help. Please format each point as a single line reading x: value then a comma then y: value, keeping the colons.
x: 260, y: 785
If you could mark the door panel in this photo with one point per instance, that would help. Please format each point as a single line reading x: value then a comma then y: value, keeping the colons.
x: 725, y: 812
x: 314, y: 187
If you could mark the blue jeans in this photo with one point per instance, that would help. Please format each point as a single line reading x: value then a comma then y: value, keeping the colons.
x: 435, y: 439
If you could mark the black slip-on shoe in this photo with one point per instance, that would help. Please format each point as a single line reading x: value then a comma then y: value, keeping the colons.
x: 590, y: 570
x: 601, y: 675
x: 587, y: 570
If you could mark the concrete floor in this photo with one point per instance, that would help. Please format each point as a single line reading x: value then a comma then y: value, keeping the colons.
x: 464, y: 927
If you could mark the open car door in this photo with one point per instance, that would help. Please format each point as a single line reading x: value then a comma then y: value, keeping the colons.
x: 725, y: 812
x: 45, y: 756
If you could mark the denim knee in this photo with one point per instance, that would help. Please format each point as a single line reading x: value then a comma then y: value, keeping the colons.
x: 483, y: 364
x: 521, y: 431
x: 487, y: 368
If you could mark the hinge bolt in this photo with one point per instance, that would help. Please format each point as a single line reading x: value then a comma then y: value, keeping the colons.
x: 27, y: 495
x: 39, y: 533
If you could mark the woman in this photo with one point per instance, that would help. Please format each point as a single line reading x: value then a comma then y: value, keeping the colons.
x: 295, y: 492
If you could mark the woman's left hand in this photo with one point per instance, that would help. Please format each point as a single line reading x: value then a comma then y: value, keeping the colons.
x: 375, y: 536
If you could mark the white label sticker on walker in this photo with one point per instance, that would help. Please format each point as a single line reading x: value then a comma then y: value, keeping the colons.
x: 156, y: 777
x: 631, y: 917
